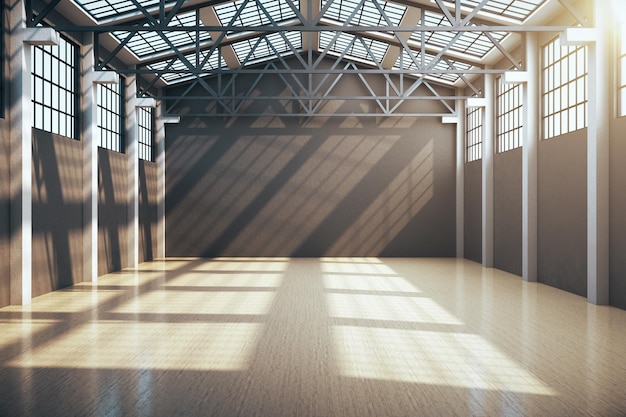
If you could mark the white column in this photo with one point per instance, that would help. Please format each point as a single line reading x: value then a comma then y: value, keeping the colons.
x: 161, y: 120
x: 89, y: 102
x: 460, y: 179
x: 487, y: 183
x: 459, y: 120
x: 21, y: 156
x: 530, y: 122
x: 133, y: 173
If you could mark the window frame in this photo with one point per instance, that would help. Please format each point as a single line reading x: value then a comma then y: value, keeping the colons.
x: 145, y: 133
x: 115, y: 138
x: 3, y: 62
x: 474, y: 133
x: 509, y: 115
x: 70, y: 89
x: 566, y: 116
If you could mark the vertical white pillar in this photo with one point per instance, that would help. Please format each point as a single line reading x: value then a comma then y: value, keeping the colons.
x: 161, y: 120
x: 460, y: 178
x: 531, y: 106
x: 90, y: 162
x: 487, y: 171
x: 598, y: 160
x: 21, y: 156
x: 133, y: 173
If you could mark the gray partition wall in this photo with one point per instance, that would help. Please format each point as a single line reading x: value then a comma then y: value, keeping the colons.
x: 335, y: 187
x: 473, y: 210
x: 562, y: 212
x: 148, y: 206
x: 617, y: 214
x: 112, y: 211
x: 507, y: 211
x: 57, y: 212
x: 5, y: 230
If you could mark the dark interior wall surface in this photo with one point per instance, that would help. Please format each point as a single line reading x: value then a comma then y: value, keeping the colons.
x: 562, y: 212
x: 617, y: 214
x: 148, y: 202
x: 5, y: 230
x: 473, y: 236
x: 507, y: 211
x: 57, y: 212
x: 326, y: 187
x: 112, y: 211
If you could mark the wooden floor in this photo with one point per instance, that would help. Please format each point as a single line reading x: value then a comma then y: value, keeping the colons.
x: 312, y: 337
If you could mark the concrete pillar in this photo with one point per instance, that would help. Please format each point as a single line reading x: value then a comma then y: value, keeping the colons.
x: 21, y: 152
x: 531, y: 124
x: 161, y: 120
x: 460, y: 179
x: 487, y: 166
x: 133, y: 173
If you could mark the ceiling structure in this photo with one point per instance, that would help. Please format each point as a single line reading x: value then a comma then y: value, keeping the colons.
x: 410, y: 43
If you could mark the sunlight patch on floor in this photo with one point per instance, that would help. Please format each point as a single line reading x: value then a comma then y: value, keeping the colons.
x: 199, y: 302
x: 130, y: 345
x: 426, y: 357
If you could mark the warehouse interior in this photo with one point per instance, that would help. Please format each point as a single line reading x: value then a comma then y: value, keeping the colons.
x: 323, y: 183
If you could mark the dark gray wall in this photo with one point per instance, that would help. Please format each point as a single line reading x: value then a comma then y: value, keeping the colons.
x: 57, y: 212
x: 473, y: 211
x: 337, y: 187
x: 148, y: 202
x: 507, y: 211
x: 112, y: 211
x: 5, y: 231
x: 562, y: 212
x: 5, y: 198
x: 617, y: 216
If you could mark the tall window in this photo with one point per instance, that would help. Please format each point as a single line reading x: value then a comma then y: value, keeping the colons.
x: 622, y: 71
x: 474, y: 134
x: 145, y: 133
x: 110, y: 116
x: 509, y: 119
x: 54, y: 88
x: 564, y: 88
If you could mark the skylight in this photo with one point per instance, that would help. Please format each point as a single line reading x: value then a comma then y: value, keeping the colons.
x: 149, y: 42
x: 354, y: 45
x: 215, y: 61
x: 367, y: 15
x: 472, y: 43
x: 518, y: 10
x: 405, y: 62
x: 255, y: 13
x: 101, y: 9
x: 255, y: 49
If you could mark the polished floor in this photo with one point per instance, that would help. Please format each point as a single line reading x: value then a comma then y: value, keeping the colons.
x: 312, y: 337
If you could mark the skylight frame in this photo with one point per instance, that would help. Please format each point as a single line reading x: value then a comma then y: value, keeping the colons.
x: 368, y: 14
x: 263, y: 51
x: 216, y: 61
x: 404, y: 62
x: 252, y: 14
x: 148, y: 43
x: 355, y: 46
x: 101, y: 10
x: 514, y: 10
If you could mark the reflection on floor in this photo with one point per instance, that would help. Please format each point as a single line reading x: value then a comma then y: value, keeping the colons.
x: 312, y: 337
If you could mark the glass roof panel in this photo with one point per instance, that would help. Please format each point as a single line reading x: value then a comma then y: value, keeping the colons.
x: 471, y: 43
x: 253, y: 14
x: 367, y: 15
x: 215, y: 61
x: 518, y: 10
x: 102, y: 9
x: 406, y: 62
x: 357, y: 47
x: 255, y: 50
x: 150, y: 42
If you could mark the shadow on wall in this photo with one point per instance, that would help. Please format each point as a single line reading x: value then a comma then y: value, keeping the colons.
x: 57, y: 212
x: 317, y: 187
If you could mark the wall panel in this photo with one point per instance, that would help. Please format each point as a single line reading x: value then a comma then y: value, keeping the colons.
x: 562, y: 212
x: 112, y: 211
x: 57, y: 212
x: 507, y: 227
x: 148, y: 200
x: 473, y: 211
